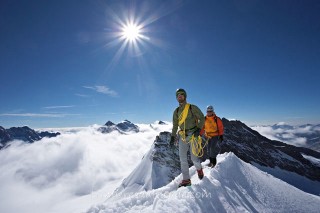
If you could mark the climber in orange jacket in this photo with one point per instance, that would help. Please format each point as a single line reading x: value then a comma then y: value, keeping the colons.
x: 213, y: 132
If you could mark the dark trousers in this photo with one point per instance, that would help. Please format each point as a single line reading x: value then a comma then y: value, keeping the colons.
x: 213, y: 147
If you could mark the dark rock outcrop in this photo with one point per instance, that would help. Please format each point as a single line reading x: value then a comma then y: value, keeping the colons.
x: 122, y: 127
x: 22, y: 133
x: 252, y: 147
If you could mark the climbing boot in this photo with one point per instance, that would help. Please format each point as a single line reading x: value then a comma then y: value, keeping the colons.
x: 200, y: 173
x: 185, y: 183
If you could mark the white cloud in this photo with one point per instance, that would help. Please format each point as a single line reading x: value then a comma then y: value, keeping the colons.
x: 302, y: 130
x: 299, y: 141
x: 103, y: 90
x: 290, y: 136
x: 317, y: 129
x: 71, y: 172
x: 281, y: 123
x: 34, y: 115
x: 58, y: 107
x: 266, y: 131
x: 82, y: 95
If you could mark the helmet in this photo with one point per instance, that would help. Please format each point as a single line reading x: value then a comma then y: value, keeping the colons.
x: 181, y: 91
x: 210, y: 108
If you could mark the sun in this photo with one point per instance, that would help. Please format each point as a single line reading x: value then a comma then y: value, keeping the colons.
x: 131, y: 32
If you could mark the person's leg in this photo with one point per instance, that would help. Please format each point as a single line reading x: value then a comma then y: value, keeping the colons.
x: 195, y: 159
x: 215, y: 150
x: 210, y: 147
x: 183, y: 150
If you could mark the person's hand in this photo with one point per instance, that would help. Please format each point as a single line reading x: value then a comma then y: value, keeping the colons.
x: 172, y: 141
x: 221, y: 138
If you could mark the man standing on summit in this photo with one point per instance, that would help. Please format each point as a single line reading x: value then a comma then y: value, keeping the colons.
x: 190, y: 121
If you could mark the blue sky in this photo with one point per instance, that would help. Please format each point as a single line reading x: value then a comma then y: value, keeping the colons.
x: 63, y: 64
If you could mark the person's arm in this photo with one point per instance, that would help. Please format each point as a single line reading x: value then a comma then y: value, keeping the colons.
x: 202, y: 132
x: 220, y: 129
x: 174, y: 123
x: 220, y: 126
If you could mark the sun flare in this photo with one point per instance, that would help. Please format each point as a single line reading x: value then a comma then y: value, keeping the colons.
x: 131, y: 32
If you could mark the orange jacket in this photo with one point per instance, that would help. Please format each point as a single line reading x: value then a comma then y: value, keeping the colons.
x: 213, y: 126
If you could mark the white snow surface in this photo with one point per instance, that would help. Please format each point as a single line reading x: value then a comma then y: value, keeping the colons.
x: 232, y: 186
x: 79, y: 171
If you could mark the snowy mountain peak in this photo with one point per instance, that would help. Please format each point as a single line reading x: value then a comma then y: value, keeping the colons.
x: 122, y: 127
x: 109, y: 123
x: 161, y: 123
x: 127, y: 126
x: 232, y: 186
x: 22, y: 133
x: 161, y: 164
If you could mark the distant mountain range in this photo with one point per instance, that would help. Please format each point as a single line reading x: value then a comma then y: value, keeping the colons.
x: 122, y: 127
x: 22, y: 133
x: 29, y: 135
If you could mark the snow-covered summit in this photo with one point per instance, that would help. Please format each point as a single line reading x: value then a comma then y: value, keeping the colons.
x: 122, y: 127
x: 232, y: 186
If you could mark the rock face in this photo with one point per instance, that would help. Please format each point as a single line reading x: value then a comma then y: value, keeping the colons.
x: 22, y: 133
x: 122, y: 127
x: 252, y: 147
x: 4, y: 136
x: 157, y: 168
x: 161, y: 164
x: 161, y: 123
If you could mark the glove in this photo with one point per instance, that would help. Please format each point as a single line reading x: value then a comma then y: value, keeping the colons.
x: 196, y: 133
x: 172, y: 140
x: 221, y: 138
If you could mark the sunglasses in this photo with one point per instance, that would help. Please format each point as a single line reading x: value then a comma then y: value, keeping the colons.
x: 209, y: 111
x: 181, y: 93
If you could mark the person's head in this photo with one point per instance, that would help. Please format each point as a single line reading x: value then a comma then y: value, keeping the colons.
x: 181, y: 95
x: 210, y: 111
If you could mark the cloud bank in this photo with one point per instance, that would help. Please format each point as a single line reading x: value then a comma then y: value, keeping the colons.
x: 294, y: 135
x: 70, y: 172
x: 42, y: 115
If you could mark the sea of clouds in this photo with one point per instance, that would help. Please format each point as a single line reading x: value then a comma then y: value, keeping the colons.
x: 294, y: 135
x: 71, y: 172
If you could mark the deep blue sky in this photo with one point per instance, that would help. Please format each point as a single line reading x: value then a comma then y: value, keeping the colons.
x: 255, y: 61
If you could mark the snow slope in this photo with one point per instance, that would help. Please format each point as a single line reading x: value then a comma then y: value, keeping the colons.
x: 232, y: 186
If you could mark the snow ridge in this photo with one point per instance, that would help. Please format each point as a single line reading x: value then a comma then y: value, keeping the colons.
x: 232, y: 186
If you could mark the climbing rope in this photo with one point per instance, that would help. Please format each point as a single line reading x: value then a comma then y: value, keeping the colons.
x: 195, y: 142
